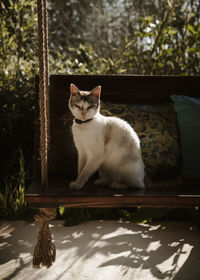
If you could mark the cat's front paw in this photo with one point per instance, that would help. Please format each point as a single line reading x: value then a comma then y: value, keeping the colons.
x: 75, y: 186
x: 118, y: 186
x: 99, y: 182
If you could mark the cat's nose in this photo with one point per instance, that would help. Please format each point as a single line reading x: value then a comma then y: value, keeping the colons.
x: 83, y: 114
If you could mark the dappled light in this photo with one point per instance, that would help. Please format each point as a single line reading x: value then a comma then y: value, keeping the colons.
x: 104, y: 249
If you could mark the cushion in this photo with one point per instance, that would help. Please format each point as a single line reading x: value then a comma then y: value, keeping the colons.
x: 157, y: 130
x: 188, y: 115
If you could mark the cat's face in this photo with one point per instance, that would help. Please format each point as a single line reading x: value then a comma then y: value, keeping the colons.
x: 84, y: 105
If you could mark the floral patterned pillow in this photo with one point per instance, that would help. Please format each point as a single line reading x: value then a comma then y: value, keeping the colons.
x: 157, y: 129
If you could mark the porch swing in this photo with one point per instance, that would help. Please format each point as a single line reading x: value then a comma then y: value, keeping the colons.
x: 55, y: 157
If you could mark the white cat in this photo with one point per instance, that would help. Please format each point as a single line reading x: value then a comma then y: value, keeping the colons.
x: 107, y: 144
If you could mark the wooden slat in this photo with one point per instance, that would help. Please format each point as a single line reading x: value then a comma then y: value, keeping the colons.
x: 165, y: 85
x: 46, y: 201
x: 96, y: 196
x: 150, y: 199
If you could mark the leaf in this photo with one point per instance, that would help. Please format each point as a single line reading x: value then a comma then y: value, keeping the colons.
x: 169, y: 4
x: 111, y: 61
x: 129, y: 44
x: 61, y: 210
x: 122, y: 71
x: 191, y: 29
x: 172, y: 31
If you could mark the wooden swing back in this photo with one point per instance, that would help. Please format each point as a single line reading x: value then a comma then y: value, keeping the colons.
x: 55, y: 157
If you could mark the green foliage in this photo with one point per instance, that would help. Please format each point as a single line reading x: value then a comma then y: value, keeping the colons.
x: 148, y: 215
x: 169, y: 46
x: 12, y: 204
x: 17, y: 42
x: 17, y: 71
x: 162, y: 38
x: 83, y: 60
x: 74, y: 216
x: 166, y: 43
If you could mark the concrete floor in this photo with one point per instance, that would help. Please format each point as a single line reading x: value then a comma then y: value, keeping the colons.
x: 101, y: 250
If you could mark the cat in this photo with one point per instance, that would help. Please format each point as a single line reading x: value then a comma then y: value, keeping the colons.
x: 107, y: 144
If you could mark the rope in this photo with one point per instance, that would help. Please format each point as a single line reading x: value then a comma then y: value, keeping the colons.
x: 45, y: 250
x: 43, y: 87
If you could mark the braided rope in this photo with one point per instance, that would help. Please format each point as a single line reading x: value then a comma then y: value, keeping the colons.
x: 45, y: 251
x: 43, y: 87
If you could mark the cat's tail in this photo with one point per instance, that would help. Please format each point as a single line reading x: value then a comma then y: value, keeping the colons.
x: 175, y: 182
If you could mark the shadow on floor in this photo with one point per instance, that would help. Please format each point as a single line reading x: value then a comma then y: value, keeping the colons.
x: 163, y: 250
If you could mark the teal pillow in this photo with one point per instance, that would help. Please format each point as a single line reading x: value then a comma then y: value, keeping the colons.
x: 188, y: 116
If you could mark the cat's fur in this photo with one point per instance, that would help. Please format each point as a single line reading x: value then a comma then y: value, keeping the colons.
x: 107, y: 144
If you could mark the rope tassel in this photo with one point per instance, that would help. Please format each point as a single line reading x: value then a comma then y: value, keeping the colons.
x: 45, y: 250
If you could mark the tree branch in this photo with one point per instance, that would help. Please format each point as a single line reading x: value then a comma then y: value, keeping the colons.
x: 164, y: 21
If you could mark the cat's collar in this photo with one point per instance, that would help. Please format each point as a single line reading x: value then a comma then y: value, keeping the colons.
x: 81, y: 122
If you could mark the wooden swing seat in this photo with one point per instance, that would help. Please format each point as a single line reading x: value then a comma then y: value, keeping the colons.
x: 62, y: 162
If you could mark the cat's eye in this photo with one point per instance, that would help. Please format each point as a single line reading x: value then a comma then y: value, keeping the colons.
x: 90, y: 107
x: 77, y: 106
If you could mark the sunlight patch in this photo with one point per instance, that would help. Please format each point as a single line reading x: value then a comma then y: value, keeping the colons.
x: 173, y: 264
x: 153, y: 246
x: 6, y: 230
x: 76, y: 235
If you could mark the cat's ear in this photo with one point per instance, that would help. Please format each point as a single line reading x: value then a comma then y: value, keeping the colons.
x: 74, y: 90
x: 96, y: 91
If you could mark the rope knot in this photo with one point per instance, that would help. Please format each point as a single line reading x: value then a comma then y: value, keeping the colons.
x: 45, y: 250
x: 46, y: 214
